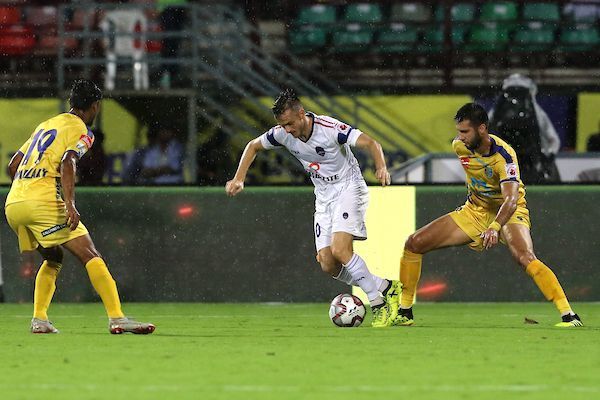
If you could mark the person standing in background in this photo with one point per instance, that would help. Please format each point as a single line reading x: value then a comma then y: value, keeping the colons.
x: 518, y: 118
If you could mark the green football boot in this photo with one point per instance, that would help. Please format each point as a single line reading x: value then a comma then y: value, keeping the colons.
x: 381, y: 316
x: 404, y: 318
x: 570, y: 321
x: 391, y: 295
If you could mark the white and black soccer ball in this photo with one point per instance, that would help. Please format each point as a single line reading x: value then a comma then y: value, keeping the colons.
x: 347, y: 310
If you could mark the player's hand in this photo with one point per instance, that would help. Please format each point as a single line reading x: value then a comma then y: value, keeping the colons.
x: 233, y: 187
x: 73, y: 216
x: 383, y: 176
x: 490, y: 238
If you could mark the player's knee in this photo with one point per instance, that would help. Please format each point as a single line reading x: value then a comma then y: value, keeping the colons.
x: 524, y: 258
x: 52, y: 254
x: 89, y: 254
x: 414, y: 244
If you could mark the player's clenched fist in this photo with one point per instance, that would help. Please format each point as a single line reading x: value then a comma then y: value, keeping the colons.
x: 383, y: 176
x: 233, y: 187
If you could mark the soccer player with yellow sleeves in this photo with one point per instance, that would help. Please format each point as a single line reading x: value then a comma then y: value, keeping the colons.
x: 40, y: 208
x: 495, y: 210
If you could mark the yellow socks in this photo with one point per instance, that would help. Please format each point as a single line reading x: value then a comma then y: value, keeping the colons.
x: 45, y: 285
x: 410, y: 272
x: 105, y: 285
x: 548, y: 283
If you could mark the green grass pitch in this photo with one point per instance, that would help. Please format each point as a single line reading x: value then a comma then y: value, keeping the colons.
x: 292, y: 351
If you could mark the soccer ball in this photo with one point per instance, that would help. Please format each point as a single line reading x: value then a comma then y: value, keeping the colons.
x: 347, y: 310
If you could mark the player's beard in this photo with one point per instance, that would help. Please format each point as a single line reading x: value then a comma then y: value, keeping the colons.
x: 475, y: 144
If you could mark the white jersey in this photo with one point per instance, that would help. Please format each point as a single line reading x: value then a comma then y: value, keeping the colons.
x: 326, y: 155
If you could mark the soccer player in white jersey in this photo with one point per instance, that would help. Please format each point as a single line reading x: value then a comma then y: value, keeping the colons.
x: 322, y: 145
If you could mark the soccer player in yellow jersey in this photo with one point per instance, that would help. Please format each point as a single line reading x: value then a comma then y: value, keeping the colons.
x: 40, y: 208
x: 495, y: 210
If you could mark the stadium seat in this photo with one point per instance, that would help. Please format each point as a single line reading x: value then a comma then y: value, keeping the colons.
x: 487, y: 37
x: 363, y: 13
x: 397, y: 38
x: 498, y: 11
x: 307, y: 38
x: 47, y: 44
x: 548, y: 12
x: 317, y: 14
x: 410, y: 12
x: 16, y: 40
x: 433, y: 39
x: 353, y: 38
x: 461, y: 12
x: 582, y: 12
x: 579, y: 38
x: 84, y: 17
x: 41, y: 16
x: 9, y: 16
x: 534, y: 36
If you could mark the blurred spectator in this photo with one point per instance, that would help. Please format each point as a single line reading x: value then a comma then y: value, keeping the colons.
x: 172, y: 18
x: 593, y: 143
x: 133, y: 167
x: 518, y: 118
x: 92, y: 165
x: 162, y: 163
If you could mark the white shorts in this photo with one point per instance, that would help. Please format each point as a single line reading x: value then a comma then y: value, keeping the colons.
x: 344, y: 214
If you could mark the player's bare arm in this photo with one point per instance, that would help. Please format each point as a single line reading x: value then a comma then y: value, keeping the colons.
x: 236, y: 185
x: 68, y: 168
x: 13, y: 165
x: 365, y: 142
x: 510, y: 193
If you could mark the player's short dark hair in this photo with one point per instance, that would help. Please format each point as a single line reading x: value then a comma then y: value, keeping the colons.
x: 472, y: 112
x: 287, y: 99
x: 83, y: 94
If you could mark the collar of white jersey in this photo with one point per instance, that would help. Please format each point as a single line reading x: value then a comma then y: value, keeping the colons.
x: 312, y: 116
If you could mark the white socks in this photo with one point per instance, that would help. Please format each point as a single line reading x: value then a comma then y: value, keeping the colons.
x: 368, y: 282
x: 345, y: 277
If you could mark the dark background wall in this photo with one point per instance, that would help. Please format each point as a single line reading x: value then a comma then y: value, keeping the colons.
x: 191, y: 244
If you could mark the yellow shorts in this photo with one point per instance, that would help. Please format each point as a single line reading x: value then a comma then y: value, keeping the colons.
x: 474, y: 220
x: 43, y: 223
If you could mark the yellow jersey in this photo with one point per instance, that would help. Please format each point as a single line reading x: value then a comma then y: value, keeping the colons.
x: 38, y: 174
x: 485, y: 173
